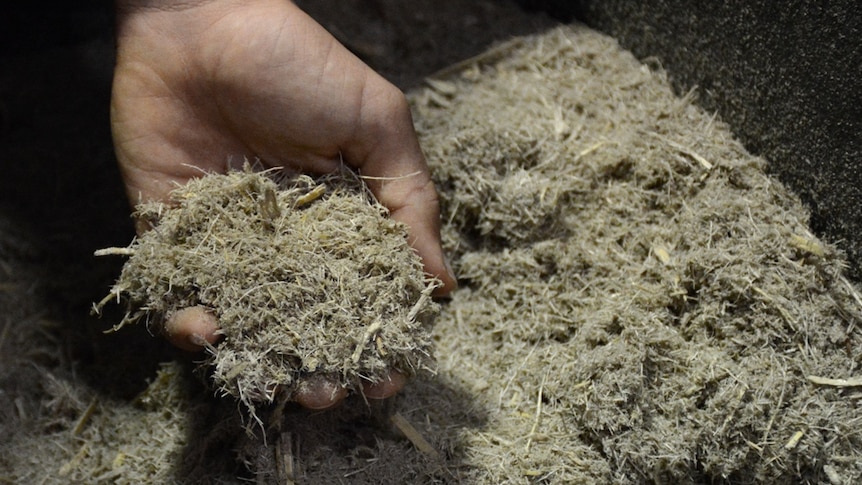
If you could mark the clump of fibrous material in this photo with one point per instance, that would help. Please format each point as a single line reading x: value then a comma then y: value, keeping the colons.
x: 305, y: 276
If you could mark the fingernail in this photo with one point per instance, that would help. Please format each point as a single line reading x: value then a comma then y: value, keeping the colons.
x: 448, y: 266
x: 449, y: 270
x: 199, y: 340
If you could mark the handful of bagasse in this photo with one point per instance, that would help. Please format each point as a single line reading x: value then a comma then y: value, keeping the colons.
x: 306, y: 276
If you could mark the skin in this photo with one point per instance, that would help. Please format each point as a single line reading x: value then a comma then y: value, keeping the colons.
x: 201, y: 83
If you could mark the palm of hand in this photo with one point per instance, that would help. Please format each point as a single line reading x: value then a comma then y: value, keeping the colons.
x: 263, y: 82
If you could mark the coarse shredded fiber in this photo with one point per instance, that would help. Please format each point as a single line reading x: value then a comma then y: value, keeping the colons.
x: 309, y: 277
x: 643, y: 303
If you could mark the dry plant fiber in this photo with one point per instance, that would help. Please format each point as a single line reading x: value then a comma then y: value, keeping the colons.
x: 643, y: 304
x: 305, y: 276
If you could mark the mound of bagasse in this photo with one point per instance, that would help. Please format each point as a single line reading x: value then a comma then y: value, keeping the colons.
x: 305, y: 276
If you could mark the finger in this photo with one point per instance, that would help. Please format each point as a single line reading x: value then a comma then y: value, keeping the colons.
x: 387, y: 153
x: 192, y: 328
x: 386, y: 388
x: 319, y: 392
x: 421, y: 215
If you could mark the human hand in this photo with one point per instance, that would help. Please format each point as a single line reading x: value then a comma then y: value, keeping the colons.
x: 199, y: 82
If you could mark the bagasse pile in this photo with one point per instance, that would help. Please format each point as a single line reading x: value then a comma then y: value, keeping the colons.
x: 642, y: 303
x: 311, y: 277
x: 639, y: 303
